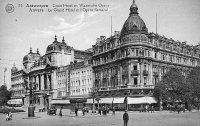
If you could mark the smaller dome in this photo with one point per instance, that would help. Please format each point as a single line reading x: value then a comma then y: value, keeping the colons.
x: 26, y: 58
x: 31, y: 56
x: 58, y: 46
x: 14, y: 68
x: 133, y: 5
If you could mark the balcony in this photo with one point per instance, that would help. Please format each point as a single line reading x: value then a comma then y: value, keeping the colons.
x: 134, y: 73
x: 103, y: 89
x: 145, y: 73
x: 141, y: 86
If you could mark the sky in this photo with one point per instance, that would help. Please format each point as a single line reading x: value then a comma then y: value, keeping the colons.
x: 22, y: 29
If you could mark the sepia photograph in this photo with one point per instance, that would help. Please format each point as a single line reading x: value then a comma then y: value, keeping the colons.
x: 99, y: 63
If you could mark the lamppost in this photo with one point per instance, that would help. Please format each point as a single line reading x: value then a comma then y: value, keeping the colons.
x: 31, y: 107
x: 95, y: 97
x: 93, y: 106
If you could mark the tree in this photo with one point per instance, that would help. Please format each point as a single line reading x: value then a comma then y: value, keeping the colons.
x: 172, y: 87
x: 4, y: 95
x: 193, y: 80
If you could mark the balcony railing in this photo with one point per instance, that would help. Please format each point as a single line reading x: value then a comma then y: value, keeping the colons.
x: 141, y: 86
x: 145, y: 73
x: 124, y: 87
x: 134, y: 73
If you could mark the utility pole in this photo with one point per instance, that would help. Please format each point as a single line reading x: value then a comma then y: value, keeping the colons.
x: 111, y: 25
x: 156, y: 24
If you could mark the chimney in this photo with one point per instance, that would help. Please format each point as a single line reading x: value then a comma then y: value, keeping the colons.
x: 102, y: 38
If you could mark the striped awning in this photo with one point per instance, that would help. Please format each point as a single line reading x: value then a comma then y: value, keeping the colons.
x: 118, y: 100
x: 14, y: 101
x: 142, y: 100
x: 151, y: 100
x: 106, y: 100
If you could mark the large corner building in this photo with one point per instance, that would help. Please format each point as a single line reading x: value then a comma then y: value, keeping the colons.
x: 131, y: 62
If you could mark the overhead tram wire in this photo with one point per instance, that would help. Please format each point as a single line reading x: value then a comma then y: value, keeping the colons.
x: 10, y: 60
x: 11, y: 64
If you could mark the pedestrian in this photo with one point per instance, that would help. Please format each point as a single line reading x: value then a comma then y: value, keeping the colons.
x: 60, y: 113
x: 76, y: 111
x: 152, y: 108
x: 106, y: 110
x: 125, y: 118
x: 99, y: 110
x: 114, y: 110
x: 83, y: 111
x: 146, y: 108
x: 190, y: 107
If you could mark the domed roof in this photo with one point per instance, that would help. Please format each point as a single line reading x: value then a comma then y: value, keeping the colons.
x: 14, y: 68
x: 58, y: 46
x: 134, y: 23
x: 31, y: 56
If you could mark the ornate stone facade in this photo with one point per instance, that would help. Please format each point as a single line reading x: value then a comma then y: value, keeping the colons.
x: 42, y: 72
x: 131, y: 62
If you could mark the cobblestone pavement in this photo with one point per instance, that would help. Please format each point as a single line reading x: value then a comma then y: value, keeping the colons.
x: 164, y: 118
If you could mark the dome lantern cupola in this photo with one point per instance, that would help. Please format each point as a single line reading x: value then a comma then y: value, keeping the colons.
x: 38, y: 51
x: 134, y: 24
x: 30, y: 50
x: 63, y: 40
x: 55, y: 39
x: 14, y: 68
x: 133, y: 8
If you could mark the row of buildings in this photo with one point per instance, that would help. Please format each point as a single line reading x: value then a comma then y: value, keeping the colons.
x: 129, y: 63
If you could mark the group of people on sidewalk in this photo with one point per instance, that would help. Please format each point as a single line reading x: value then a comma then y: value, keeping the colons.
x: 104, y: 110
x: 8, y: 116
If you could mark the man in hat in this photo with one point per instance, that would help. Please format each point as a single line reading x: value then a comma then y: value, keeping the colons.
x: 125, y: 118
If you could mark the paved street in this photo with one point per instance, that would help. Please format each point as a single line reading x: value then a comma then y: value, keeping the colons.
x: 164, y: 118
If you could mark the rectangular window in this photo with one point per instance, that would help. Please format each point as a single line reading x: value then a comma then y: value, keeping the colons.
x: 163, y: 46
x: 170, y: 48
x: 136, y: 52
x: 163, y: 56
x: 145, y: 80
x: 135, y: 67
x: 135, y: 81
x: 155, y: 55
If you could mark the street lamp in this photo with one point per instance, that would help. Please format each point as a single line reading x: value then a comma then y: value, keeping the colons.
x: 93, y: 106
x: 31, y: 107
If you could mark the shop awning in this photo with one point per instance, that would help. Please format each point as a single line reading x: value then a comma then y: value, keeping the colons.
x: 142, y: 100
x: 60, y: 102
x: 151, y: 100
x: 106, y: 100
x: 118, y: 100
x: 90, y: 101
x: 15, y: 101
